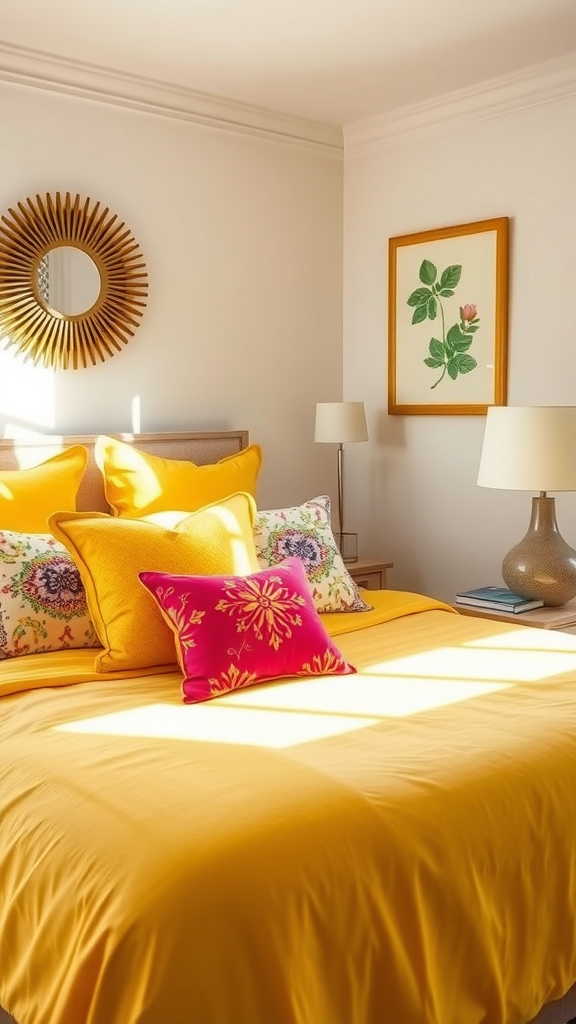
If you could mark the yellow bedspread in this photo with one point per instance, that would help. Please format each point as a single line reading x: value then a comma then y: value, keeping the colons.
x: 393, y: 847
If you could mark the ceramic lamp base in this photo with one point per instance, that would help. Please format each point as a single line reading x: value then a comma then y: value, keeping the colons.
x: 542, y: 566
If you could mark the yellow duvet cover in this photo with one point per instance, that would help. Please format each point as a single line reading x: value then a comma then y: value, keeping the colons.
x: 392, y: 847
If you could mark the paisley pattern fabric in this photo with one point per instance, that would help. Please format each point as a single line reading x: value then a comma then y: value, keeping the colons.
x: 305, y: 532
x: 42, y: 600
x: 232, y: 632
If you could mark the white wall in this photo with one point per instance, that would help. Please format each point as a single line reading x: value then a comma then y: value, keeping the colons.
x: 243, y: 242
x: 412, y: 492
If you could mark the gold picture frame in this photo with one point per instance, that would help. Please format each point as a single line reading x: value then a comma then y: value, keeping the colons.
x: 448, y: 320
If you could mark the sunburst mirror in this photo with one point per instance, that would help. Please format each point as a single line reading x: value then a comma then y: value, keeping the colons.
x: 73, y: 282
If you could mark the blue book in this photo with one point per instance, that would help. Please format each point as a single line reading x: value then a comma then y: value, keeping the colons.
x: 498, y: 599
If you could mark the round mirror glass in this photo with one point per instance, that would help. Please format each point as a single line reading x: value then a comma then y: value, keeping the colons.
x: 68, y: 280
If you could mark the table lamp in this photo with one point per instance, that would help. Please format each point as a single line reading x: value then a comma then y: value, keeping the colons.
x: 533, y: 448
x: 339, y: 423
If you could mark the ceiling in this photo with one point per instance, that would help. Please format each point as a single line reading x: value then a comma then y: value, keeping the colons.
x: 333, y: 61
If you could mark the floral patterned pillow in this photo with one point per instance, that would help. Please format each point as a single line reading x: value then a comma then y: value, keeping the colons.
x: 42, y: 600
x: 305, y: 532
x: 234, y: 631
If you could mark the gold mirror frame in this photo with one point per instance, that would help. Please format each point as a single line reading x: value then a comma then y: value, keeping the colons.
x: 43, y: 334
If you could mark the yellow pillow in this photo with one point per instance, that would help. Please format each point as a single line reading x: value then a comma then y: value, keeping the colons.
x: 29, y: 496
x: 110, y: 552
x: 136, y: 483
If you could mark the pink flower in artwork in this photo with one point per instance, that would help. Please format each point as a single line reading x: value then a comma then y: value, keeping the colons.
x: 468, y: 312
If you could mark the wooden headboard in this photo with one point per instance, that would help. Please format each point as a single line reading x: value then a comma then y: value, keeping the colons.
x: 201, y: 448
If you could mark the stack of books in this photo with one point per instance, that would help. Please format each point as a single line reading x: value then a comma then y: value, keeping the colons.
x: 498, y: 599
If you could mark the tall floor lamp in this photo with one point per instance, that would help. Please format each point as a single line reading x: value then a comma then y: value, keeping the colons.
x: 339, y: 423
x: 533, y: 448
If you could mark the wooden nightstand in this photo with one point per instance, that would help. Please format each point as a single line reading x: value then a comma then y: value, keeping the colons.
x: 562, y: 618
x: 368, y: 574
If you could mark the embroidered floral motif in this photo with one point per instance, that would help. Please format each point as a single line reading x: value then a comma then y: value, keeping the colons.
x: 42, y: 599
x: 3, y: 636
x: 302, y: 543
x: 183, y: 621
x: 50, y: 582
x: 265, y: 606
x: 323, y: 664
x: 233, y: 679
x: 238, y: 651
x: 30, y: 630
x: 11, y: 549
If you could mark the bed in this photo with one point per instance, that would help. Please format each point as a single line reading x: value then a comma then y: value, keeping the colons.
x: 390, y: 845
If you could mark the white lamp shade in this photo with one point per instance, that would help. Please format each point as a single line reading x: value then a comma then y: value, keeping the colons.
x: 340, y: 422
x: 529, y: 448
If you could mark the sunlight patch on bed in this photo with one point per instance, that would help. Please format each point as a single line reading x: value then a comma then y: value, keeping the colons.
x: 217, y: 723
x: 547, y: 640
x: 294, y: 711
x: 286, y: 714
x: 378, y: 695
x: 480, y: 661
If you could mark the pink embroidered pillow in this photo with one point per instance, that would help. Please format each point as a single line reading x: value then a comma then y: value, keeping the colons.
x: 234, y: 631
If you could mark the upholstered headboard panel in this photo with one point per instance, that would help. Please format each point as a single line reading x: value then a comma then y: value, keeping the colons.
x: 199, y: 447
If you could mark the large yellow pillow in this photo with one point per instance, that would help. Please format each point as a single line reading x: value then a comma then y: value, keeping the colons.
x: 29, y: 496
x: 137, y: 484
x: 110, y: 552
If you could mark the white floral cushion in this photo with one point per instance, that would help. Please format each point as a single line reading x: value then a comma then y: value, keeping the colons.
x: 42, y: 599
x: 305, y: 532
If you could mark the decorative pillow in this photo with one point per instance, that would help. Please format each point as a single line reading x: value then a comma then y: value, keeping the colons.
x: 304, y: 531
x: 137, y: 484
x: 232, y: 632
x: 29, y: 496
x: 42, y: 600
x: 110, y: 553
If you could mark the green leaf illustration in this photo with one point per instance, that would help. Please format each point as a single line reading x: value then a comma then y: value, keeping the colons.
x: 462, y: 345
x: 461, y: 364
x: 449, y: 353
x: 451, y: 276
x: 437, y: 350
x: 428, y: 272
x: 455, y: 334
x: 466, y: 363
x: 419, y: 296
x: 419, y: 314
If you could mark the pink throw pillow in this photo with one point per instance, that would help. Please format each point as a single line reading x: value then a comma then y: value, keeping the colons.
x: 234, y: 631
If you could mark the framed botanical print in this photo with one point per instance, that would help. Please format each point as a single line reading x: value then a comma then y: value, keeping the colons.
x: 448, y: 319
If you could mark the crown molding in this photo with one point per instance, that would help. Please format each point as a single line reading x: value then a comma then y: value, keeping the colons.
x: 30, y: 68
x: 541, y: 83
